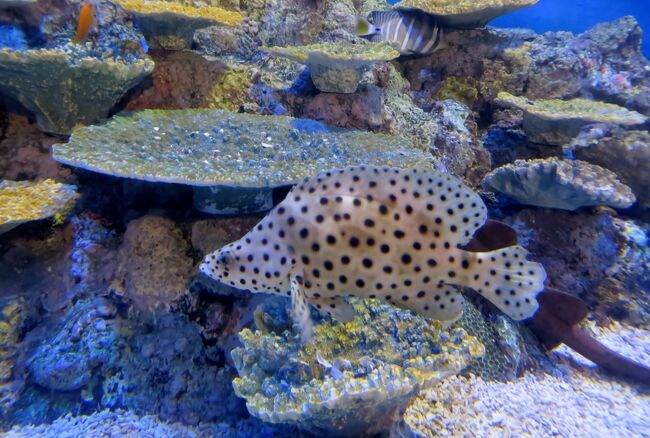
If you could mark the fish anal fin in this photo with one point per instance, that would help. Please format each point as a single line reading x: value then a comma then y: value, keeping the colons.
x: 336, y: 307
x: 558, y: 313
x: 300, y: 309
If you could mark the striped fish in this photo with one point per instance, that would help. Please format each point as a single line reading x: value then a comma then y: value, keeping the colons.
x: 410, y: 32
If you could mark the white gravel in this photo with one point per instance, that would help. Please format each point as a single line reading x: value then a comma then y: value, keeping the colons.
x: 575, y: 401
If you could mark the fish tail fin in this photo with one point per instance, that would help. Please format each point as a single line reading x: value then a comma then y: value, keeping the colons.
x: 364, y: 28
x: 508, y: 280
x: 442, y: 41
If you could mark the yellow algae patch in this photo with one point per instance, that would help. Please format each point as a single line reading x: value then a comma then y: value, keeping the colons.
x: 24, y: 201
x: 220, y: 15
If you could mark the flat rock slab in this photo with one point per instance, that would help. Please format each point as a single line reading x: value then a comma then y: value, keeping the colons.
x: 553, y: 183
x: 214, y: 148
x: 556, y: 122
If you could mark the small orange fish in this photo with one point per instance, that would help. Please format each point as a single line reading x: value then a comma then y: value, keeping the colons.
x: 84, y: 22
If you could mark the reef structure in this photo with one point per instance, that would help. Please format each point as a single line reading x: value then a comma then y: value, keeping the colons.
x: 337, y: 67
x: 354, y: 376
x: 233, y: 161
x: 67, y: 87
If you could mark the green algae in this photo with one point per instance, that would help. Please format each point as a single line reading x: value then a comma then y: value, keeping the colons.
x: 209, y: 147
x: 462, y: 89
x: 354, y: 375
x: 24, y: 201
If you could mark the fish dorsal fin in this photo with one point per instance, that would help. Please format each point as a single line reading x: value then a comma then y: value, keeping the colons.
x: 439, y: 200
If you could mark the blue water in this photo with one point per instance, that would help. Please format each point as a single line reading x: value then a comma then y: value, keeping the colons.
x: 576, y: 15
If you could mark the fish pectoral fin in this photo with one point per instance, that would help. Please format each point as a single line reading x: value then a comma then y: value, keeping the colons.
x: 336, y: 307
x: 300, y: 309
x: 364, y: 28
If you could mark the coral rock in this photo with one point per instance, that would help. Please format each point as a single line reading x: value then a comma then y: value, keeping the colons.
x: 23, y: 201
x: 553, y: 183
x: 87, y: 339
x: 154, y: 268
x: 353, y: 377
x: 171, y: 24
x: 556, y: 122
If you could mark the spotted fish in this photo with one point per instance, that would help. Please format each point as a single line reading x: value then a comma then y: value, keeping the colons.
x: 410, y: 32
x: 377, y: 232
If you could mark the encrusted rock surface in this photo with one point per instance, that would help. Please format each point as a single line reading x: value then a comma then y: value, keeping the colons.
x: 602, y: 258
x: 624, y: 152
x: 561, y: 184
x: 604, y: 62
x: 353, y: 377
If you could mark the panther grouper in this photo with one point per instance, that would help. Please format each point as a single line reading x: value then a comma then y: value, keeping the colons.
x: 377, y: 232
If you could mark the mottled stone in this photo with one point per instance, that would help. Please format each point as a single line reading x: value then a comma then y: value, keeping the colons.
x: 457, y: 143
x: 12, y: 318
x: 465, y: 13
x: 599, y: 257
x: 553, y: 183
x: 337, y: 67
x: 626, y: 153
x: 353, y: 377
x: 154, y: 268
x: 556, y: 122
x: 24, y: 201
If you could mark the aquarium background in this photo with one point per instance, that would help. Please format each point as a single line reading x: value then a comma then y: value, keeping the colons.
x: 575, y: 15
